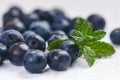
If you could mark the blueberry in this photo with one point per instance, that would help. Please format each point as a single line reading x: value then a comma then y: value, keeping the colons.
x: 14, y: 12
x: 62, y: 19
x: 58, y: 60
x: 16, y: 53
x: 3, y: 53
x: 42, y: 28
x: 61, y: 24
x: 10, y: 37
x: 35, y: 61
x: 71, y: 48
x: 96, y: 21
x: 27, y: 19
x: 36, y: 42
x: 57, y: 13
x: 57, y: 35
x: 15, y: 24
x: 46, y: 16
x: 115, y: 36
x: 27, y: 33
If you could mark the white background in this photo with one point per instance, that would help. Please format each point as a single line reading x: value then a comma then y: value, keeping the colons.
x: 103, y: 69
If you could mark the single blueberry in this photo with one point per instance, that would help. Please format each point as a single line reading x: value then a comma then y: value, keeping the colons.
x: 96, y: 21
x: 14, y: 12
x: 57, y: 13
x: 42, y: 28
x: 16, y: 53
x: 58, y: 60
x: 35, y: 61
x: 36, y: 42
x: 15, y: 24
x: 28, y: 33
x: 115, y: 36
x: 46, y: 16
x: 61, y: 24
x: 10, y: 37
x: 3, y: 53
x: 71, y: 48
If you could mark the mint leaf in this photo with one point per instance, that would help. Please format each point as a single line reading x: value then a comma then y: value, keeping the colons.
x: 77, y: 33
x: 77, y: 40
x: 55, y: 44
x: 77, y: 37
x: 83, y: 26
x: 94, y: 36
x: 89, y: 55
x: 102, y: 49
x: 98, y: 35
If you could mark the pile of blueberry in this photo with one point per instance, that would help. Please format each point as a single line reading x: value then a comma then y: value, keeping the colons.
x: 24, y: 39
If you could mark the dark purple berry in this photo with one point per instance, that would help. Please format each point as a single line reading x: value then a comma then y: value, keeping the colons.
x: 35, y: 61
x: 58, y: 60
x: 10, y: 37
x: 96, y: 21
x: 16, y: 53
x: 36, y: 42
x: 115, y: 36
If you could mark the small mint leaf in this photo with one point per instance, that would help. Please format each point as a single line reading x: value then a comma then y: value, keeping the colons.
x: 55, y: 44
x: 77, y: 33
x: 102, y: 49
x: 77, y: 37
x: 95, y: 36
x: 98, y: 34
x: 77, y: 40
x: 89, y: 55
x: 83, y: 26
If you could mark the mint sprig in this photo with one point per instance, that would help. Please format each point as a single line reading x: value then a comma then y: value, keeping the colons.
x: 89, y: 55
x: 88, y: 42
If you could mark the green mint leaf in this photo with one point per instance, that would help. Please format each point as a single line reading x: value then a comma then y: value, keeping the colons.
x: 83, y: 26
x: 77, y: 40
x: 102, y: 49
x: 55, y: 44
x: 77, y: 37
x: 95, y: 36
x: 89, y: 55
x: 77, y: 33
x: 98, y: 34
